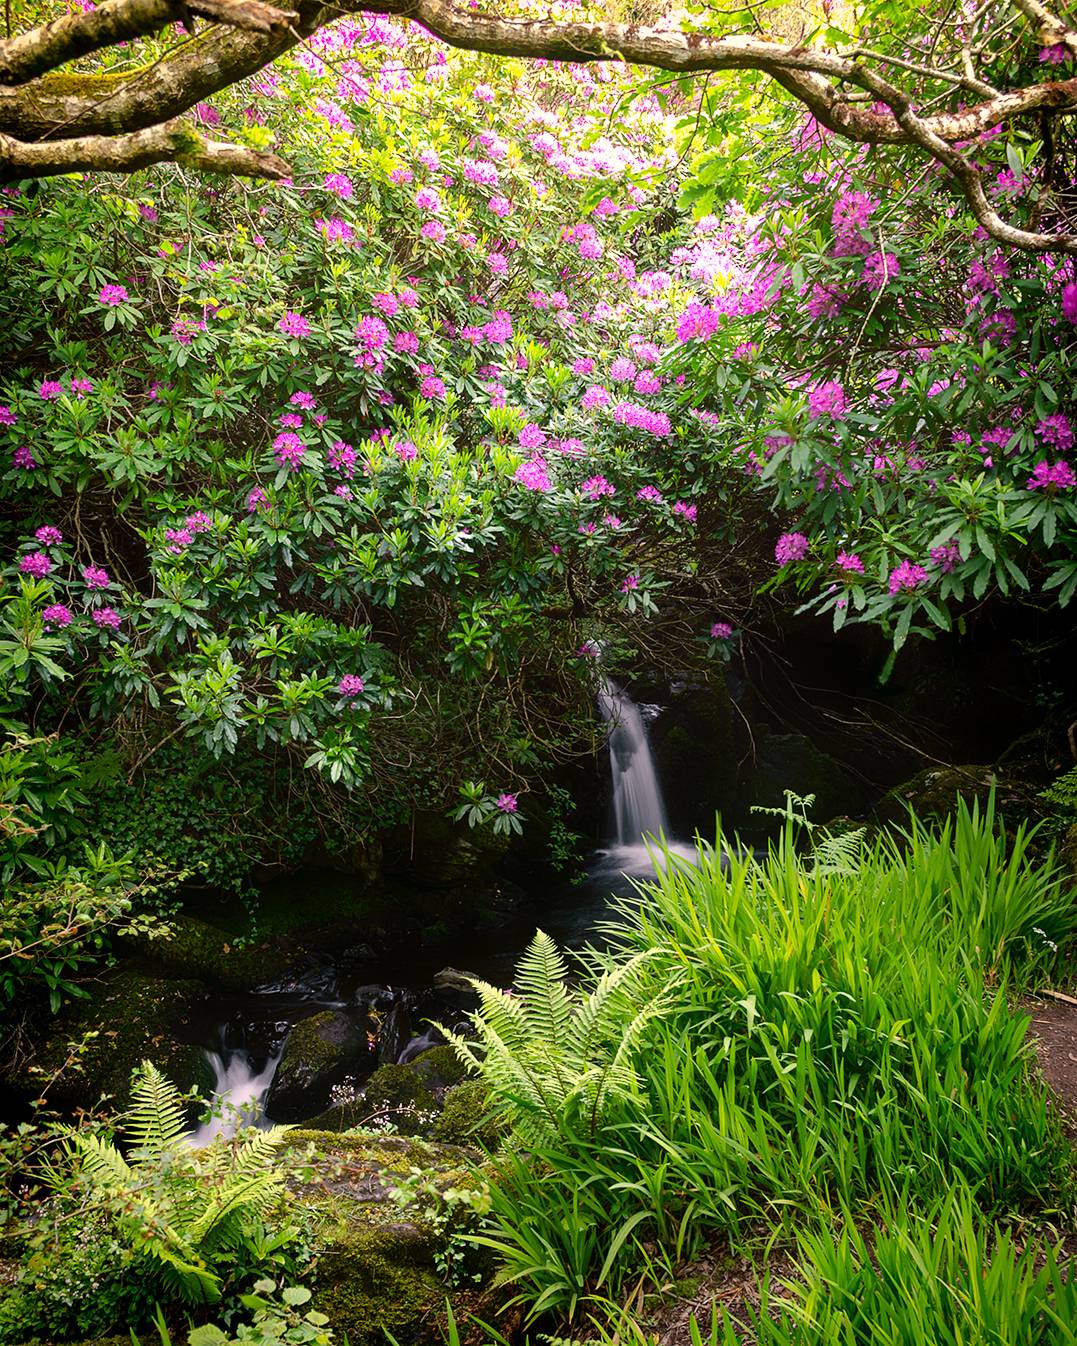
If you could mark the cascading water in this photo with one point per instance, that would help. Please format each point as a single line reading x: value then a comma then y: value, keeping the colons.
x: 239, y: 1094
x: 638, y: 808
x: 637, y: 800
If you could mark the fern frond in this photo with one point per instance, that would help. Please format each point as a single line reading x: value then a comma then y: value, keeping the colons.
x: 839, y: 853
x: 540, y: 977
x: 101, y: 1162
x: 156, y: 1120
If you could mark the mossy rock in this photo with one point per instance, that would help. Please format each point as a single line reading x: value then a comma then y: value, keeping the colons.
x: 438, y: 1068
x: 198, y: 949
x: 320, y: 1052
x: 934, y: 794
x: 375, y: 1268
x: 132, y: 1017
x: 398, y: 1094
x: 466, y: 1118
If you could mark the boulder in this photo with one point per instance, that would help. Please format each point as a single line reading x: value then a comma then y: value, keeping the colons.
x: 376, y: 1259
x: 933, y: 793
x: 321, y: 1051
x: 466, y: 1119
x: 197, y: 949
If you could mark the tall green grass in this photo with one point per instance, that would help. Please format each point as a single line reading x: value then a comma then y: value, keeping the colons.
x: 833, y: 1037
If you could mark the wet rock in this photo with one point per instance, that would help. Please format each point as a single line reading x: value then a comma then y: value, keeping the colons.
x: 794, y: 762
x: 399, y: 1095
x: 395, y: 1034
x: 466, y: 1118
x: 321, y: 1051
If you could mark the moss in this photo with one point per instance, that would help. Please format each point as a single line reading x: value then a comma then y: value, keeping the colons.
x: 438, y: 1068
x: 399, y: 1094
x: 466, y: 1118
x: 376, y: 1281
x: 375, y: 1269
x: 132, y: 1017
x: 198, y: 949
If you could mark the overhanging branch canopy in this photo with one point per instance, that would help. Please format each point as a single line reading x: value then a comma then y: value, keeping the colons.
x: 855, y: 94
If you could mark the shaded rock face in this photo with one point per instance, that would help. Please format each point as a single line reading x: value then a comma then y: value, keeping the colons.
x: 133, y: 1016
x: 934, y: 793
x: 198, y: 949
x: 321, y: 1051
x: 794, y: 762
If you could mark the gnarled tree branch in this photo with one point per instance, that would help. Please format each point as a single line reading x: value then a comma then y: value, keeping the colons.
x: 172, y: 141
x: 41, y: 108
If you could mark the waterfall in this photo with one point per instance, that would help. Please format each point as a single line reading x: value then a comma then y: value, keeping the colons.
x: 637, y: 800
x: 239, y: 1094
x: 638, y: 808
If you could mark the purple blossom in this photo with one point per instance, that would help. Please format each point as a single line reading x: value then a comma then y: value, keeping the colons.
x: 406, y: 451
x: 339, y: 185
x: 351, y: 684
x: 1051, y: 477
x: 596, y: 487
x: 790, y: 547
x: 256, y: 499
x: 178, y: 539
x: 198, y: 522
x: 372, y: 332
x: 95, y: 577
x: 629, y: 583
x: 106, y: 617
x: 50, y: 390
x: 533, y: 475
x: 432, y: 386
x: 36, y: 564
x: 650, y: 493
x: 293, y: 324
x: 56, y: 616
x: 49, y: 535
x: 849, y: 563
x: 507, y: 803
x: 342, y: 458
x: 305, y: 400
x: 826, y: 399
x: 385, y: 303
x: 406, y: 343
x: 80, y: 387
x: 907, y: 577
x: 622, y: 370
x: 721, y: 631
x: 7, y: 416
x: 595, y: 396
x: 947, y: 556
x: 1069, y: 303
x: 582, y: 366
x: 531, y: 437
x: 433, y: 230
x: 428, y: 199
x: 289, y: 449
x: 1056, y: 431
x: 23, y: 457
x: 687, y: 512
x: 111, y: 295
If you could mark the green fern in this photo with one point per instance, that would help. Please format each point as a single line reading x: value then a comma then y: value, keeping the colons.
x: 554, y: 1057
x: 839, y: 852
x: 188, y: 1211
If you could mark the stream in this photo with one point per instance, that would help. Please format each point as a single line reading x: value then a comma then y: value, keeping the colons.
x: 397, y: 1004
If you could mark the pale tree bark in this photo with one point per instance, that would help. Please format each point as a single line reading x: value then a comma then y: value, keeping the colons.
x: 848, y: 92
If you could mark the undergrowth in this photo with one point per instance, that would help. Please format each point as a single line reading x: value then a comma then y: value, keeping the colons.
x: 807, y: 1042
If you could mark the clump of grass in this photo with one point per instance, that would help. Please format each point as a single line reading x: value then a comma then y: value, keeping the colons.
x: 832, y: 1036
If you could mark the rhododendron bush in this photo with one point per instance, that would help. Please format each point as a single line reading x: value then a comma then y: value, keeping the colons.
x: 361, y: 464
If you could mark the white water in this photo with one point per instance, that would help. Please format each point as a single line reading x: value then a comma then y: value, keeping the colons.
x: 638, y: 808
x: 239, y: 1096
